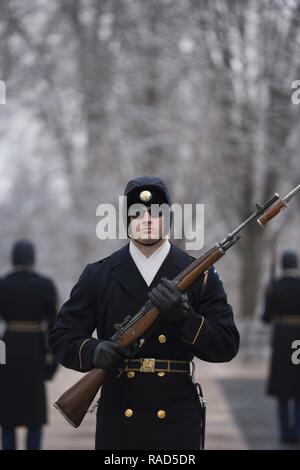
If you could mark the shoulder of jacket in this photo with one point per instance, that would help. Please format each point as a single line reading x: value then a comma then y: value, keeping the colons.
x: 97, y: 267
x: 41, y: 277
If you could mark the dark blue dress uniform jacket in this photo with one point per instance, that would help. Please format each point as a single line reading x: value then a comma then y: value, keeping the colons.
x: 282, y: 308
x: 108, y: 291
x: 25, y: 296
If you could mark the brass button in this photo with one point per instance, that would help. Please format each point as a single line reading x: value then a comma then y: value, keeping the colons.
x: 162, y: 339
x: 161, y: 414
x: 128, y: 413
x: 130, y: 374
x: 161, y: 374
x: 145, y: 196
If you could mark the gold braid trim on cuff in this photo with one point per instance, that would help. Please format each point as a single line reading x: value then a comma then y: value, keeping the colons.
x: 198, y: 331
x: 80, y: 350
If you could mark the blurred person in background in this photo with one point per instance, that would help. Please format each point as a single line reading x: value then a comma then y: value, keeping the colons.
x: 28, y: 303
x: 282, y: 309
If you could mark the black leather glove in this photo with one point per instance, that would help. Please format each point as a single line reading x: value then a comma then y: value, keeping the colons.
x: 170, y: 301
x: 109, y: 355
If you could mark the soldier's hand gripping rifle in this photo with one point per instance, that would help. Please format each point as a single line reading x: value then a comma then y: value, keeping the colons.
x: 75, y: 402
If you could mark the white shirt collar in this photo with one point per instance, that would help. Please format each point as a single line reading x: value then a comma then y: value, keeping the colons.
x: 148, y: 267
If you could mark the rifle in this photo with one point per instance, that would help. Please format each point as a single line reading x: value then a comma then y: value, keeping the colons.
x: 75, y: 402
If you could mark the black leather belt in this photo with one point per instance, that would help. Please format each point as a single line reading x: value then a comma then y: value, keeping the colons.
x: 156, y: 365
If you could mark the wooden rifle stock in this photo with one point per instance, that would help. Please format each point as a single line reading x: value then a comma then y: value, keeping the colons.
x: 75, y: 402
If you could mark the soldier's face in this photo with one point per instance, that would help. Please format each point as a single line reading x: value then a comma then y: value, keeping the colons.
x: 146, y: 226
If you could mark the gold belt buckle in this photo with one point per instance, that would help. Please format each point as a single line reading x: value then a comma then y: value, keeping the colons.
x: 147, y: 365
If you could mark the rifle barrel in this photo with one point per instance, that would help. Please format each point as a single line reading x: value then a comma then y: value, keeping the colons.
x: 291, y: 194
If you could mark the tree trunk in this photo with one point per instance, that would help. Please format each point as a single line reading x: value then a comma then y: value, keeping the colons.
x: 251, y: 255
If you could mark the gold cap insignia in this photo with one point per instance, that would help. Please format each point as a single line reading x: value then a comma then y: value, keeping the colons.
x: 145, y: 196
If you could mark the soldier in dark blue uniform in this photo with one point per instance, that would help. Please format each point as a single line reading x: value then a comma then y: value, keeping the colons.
x: 148, y: 401
x: 28, y: 307
x: 282, y: 308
